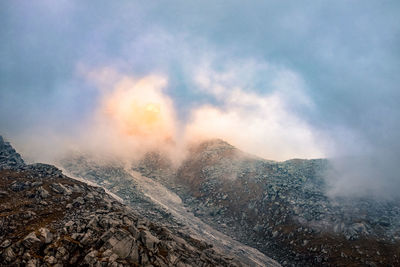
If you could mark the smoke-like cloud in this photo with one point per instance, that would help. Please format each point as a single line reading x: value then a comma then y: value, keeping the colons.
x: 264, y: 124
x: 133, y: 115
x: 137, y: 112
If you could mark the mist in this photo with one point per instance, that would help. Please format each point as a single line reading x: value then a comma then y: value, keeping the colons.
x: 278, y: 80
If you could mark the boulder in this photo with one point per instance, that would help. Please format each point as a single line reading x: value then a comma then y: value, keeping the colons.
x: 78, y: 201
x: 148, y: 239
x: 31, y: 240
x: 91, y: 258
x: 3, y: 194
x: 9, y: 158
x: 5, y: 243
x: 18, y: 186
x: 50, y: 260
x: 43, y: 193
x: 60, y: 189
x: 125, y: 247
x: 46, y: 235
x: 9, y: 254
x: 32, y: 263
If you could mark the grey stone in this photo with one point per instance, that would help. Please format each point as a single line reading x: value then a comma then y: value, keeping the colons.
x: 148, y: 239
x: 9, y: 254
x: 5, y: 243
x: 18, y: 186
x: 51, y: 260
x: 46, y: 235
x: 43, y: 193
x: 60, y: 189
x: 32, y: 263
x: 79, y: 201
x: 124, y: 247
x: 31, y: 240
x: 90, y: 258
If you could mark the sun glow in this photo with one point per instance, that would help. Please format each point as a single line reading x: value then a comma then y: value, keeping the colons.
x: 142, y: 119
x: 139, y: 108
x: 151, y: 113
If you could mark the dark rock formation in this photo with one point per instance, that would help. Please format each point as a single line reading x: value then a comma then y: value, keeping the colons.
x: 49, y: 219
x: 155, y: 202
x: 9, y: 158
x: 281, y: 208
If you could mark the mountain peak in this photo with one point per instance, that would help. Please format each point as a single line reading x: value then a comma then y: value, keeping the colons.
x: 214, y: 145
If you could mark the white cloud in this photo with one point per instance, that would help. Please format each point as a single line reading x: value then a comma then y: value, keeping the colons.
x: 135, y: 111
x: 263, y: 124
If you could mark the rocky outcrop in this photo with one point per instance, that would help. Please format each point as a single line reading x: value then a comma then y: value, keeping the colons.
x: 154, y: 201
x: 281, y: 208
x: 9, y: 158
x: 49, y: 219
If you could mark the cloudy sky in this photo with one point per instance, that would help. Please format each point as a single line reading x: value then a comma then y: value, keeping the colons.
x: 279, y: 79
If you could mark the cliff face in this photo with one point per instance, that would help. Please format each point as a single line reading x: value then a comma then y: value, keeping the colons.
x: 49, y: 219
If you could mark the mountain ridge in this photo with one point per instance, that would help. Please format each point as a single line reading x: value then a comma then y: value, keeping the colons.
x: 282, y: 208
x: 279, y: 208
x: 48, y: 218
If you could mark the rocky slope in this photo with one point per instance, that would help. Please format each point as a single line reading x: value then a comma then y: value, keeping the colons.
x: 49, y: 219
x: 158, y: 203
x: 281, y: 207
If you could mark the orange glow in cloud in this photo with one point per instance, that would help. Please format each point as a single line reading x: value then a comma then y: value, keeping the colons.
x: 135, y: 116
x: 138, y: 108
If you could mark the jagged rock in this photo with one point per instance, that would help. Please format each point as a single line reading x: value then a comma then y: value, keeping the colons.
x: 18, y: 186
x: 360, y: 228
x: 257, y: 228
x: 44, y: 169
x: 9, y: 254
x: 96, y: 229
x: 62, y: 253
x: 51, y: 260
x: 275, y: 234
x: 79, y: 201
x: 5, y: 243
x: 9, y: 158
x: 60, y: 189
x: 284, y: 195
x: 126, y: 249
x: 43, y: 193
x: 32, y: 263
x: 87, y: 238
x: 28, y: 215
x: 31, y: 240
x: 90, y: 258
x: 112, y: 259
x: 283, y: 200
x: 148, y: 239
x: 46, y: 235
